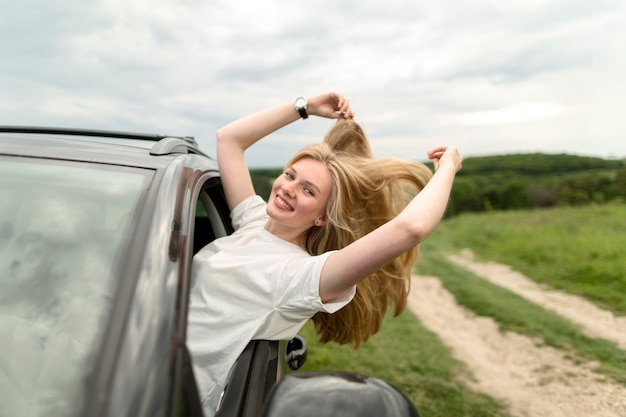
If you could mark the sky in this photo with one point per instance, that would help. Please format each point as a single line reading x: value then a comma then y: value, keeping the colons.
x: 490, y: 77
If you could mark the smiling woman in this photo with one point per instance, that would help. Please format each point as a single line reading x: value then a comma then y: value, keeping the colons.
x: 316, y: 248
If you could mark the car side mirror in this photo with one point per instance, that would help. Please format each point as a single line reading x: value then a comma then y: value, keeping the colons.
x: 295, y: 353
x: 320, y: 394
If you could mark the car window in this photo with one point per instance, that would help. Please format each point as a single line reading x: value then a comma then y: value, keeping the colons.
x: 209, y: 223
x: 62, y: 225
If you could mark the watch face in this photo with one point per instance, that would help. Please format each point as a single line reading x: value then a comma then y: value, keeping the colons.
x: 301, y: 102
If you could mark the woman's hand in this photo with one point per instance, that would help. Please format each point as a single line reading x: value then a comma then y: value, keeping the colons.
x: 330, y: 105
x: 446, y: 155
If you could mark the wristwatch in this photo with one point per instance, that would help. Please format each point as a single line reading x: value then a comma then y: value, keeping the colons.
x: 300, y: 105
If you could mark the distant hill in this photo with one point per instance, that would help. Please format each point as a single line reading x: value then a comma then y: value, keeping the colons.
x: 524, y: 181
x: 536, y: 164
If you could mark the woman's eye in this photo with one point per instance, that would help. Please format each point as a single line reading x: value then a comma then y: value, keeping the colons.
x: 289, y: 175
x: 308, y: 191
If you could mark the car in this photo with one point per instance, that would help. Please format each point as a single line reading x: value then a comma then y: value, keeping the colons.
x: 97, y: 232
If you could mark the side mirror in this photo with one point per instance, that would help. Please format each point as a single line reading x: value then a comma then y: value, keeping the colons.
x: 319, y: 394
x: 295, y: 353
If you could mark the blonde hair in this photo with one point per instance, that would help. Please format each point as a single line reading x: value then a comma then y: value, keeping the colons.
x: 366, y: 193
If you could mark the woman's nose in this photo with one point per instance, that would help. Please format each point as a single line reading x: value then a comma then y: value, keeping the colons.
x: 287, y: 189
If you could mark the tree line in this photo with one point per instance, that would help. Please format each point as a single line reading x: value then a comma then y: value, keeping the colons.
x: 520, y: 181
x: 527, y: 181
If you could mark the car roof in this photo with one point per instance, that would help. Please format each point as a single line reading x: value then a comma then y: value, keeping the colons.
x: 96, y: 146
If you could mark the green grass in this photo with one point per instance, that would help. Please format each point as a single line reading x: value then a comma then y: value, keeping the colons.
x: 581, y: 250
x: 413, y: 359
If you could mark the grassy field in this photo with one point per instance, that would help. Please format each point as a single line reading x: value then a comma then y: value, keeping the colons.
x: 579, y: 250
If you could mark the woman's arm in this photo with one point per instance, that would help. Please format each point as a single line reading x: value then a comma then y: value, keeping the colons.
x: 234, y: 138
x: 355, y: 262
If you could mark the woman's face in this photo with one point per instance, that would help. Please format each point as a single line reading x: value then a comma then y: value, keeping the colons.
x: 300, y: 194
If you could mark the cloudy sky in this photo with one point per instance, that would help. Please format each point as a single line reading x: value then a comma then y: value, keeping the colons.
x: 489, y: 76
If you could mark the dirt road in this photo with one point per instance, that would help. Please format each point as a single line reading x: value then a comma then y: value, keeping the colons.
x: 534, y: 380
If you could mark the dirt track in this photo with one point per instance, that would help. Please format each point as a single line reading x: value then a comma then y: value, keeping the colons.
x: 534, y: 380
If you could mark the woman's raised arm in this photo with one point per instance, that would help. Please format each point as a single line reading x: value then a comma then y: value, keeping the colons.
x: 234, y: 138
x: 418, y: 220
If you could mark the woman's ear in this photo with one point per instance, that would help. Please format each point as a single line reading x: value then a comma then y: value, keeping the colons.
x: 320, y: 221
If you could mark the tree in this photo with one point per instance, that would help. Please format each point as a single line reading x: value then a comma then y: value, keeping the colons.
x: 621, y: 181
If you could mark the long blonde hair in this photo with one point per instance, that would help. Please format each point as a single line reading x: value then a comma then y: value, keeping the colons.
x: 366, y: 193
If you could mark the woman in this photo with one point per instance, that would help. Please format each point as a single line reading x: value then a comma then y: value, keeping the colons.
x: 340, y: 229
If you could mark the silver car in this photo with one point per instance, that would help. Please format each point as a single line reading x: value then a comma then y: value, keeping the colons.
x: 97, y: 233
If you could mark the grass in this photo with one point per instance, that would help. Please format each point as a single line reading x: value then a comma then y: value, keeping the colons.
x: 579, y: 250
x: 413, y: 359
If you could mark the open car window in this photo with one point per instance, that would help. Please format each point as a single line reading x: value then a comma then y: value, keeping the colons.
x: 212, y: 218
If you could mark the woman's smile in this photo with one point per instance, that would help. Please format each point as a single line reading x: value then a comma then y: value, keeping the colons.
x: 282, y: 203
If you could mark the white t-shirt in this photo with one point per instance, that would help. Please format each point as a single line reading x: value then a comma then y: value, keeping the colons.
x: 250, y: 285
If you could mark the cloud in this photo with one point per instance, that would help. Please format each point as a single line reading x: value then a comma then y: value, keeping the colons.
x: 489, y: 76
x: 523, y: 112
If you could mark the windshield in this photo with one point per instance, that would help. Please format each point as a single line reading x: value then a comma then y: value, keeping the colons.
x: 61, y: 228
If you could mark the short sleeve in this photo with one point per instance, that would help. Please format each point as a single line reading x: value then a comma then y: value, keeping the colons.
x: 251, y: 212
x: 303, y: 288
x: 339, y: 302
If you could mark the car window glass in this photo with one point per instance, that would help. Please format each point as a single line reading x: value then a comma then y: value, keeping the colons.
x: 209, y: 224
x: 61, y: 228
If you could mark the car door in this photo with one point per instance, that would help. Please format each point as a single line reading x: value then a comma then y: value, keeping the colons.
x: 256, y: 370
